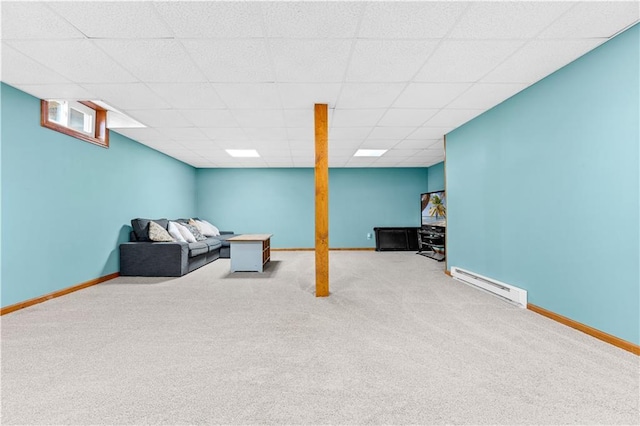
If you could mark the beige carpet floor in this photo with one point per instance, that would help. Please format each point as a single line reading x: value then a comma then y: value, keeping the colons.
x: 397, y: 342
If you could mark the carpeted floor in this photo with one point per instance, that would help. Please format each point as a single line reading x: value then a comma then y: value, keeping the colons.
x: 397, y: 342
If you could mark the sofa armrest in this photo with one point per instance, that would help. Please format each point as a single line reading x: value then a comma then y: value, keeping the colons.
x: 226, y: 232
x: 148, y: 259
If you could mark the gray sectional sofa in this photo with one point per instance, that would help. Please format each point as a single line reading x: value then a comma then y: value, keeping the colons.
x: 146, y: 258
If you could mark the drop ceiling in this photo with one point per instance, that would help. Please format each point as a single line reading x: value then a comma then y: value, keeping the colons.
x: 209, y: 76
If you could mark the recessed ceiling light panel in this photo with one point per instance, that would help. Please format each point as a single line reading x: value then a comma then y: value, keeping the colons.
x: 242, y: 152
x: 369, y: 152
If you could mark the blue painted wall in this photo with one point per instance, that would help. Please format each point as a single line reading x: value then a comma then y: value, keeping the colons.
x: 281, y: 201
x: 435, y: 177
x: 543, y: 190
x: 67, y: 204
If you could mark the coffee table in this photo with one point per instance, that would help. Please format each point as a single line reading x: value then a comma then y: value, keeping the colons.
x: 250, y: 252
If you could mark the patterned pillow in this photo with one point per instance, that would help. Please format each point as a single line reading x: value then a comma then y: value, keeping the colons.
x: 195, y: 231
x: 158, y: 233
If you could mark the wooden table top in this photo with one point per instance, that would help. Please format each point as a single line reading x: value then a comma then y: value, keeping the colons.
x: 251, y: 237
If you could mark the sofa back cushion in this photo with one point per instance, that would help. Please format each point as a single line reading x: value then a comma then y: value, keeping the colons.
x: 141, y: 227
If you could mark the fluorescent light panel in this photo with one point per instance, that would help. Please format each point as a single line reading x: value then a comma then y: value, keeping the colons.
x: 242, y: 152
x: 369, y: 152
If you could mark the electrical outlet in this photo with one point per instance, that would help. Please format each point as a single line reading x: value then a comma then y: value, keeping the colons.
x: 369, y: 235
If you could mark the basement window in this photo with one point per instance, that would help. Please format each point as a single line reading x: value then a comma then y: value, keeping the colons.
x: 81, y: 119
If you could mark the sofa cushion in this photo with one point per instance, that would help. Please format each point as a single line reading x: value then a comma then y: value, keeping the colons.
x: 141, y: 227
x: 213, y: 243
x: 223, y: 238
x: 158, y: 233
x: 197, y: 248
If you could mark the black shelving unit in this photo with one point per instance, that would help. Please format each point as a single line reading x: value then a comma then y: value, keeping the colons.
x: 431, y: 242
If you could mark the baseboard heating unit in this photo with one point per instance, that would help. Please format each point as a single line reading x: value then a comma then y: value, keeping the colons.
x: 512, y: 294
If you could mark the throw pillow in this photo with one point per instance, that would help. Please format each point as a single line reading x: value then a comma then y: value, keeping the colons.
x: 196, y: 233
x: 196, y: 223
x: 210, y: 230
x: 175, y: 232
x: 158, y: 233
x: 186, y: 234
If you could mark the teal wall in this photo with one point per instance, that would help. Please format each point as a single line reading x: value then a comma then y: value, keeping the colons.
x: 435, y: 177
x: 67, y: 204
x: 543, y: 190
x: 281, y: 201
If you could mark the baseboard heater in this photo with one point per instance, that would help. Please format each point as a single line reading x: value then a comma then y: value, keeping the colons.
x: 512, y: 294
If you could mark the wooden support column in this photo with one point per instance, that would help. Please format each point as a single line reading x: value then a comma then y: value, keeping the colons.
x: 322, y: 200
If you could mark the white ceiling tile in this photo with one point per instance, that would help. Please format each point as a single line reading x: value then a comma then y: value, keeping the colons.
x: 507, y: 20
x: 209, y: 117
x: 34, y: 20
x: 188, y: 95
x: 466, y: 61
x: 323, y: 61
x: 57, y: 91
x: 395, y: 152
x: 427, y: 133
x: 258, y: 117
x: 239, y: 61
x: 406, y: 117
x: 302, y: 118
x: 212, y: 19
x: 266, y: 133
x: 249, y: 95
x: 409, y: 19
x: 127, y: 19
x: 312, y: 19
x: 356, y: 117
x: 486, y: 95
x: 538, y: 59
x: 143, y: 135
x: 429, y: 95
x: 379, y: 143
x: 149, y: 60
x: 385, y: 161
x: 20, y: 69
x: 280, y: 163
x: 160, y: 117
x: 306, y: 95
x: 594, y: 19
x: 453, y: 117
x: 387, y: 60
x: 344, y: 144
x: 276, y: 153
x: 226, y: 133
x: 69, y: 59
x: 204, y: 147
x: 348, y: 133
x: 414, y: 144
x: 361, y: 161
x: 368, y: 95
x: 298, y: 133
x: 337, y: 162
x: 397, y: 133
x: 184, y: 134
x: 128, y: 96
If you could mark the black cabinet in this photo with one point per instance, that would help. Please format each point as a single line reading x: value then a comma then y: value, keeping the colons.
x: 396, y: 239
x: 431, y: 242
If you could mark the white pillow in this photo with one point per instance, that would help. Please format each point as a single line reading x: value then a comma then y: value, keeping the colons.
x: 158, y: 233
x: 209, y: 229
x: 175, y: 233
x: 186, y: 234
